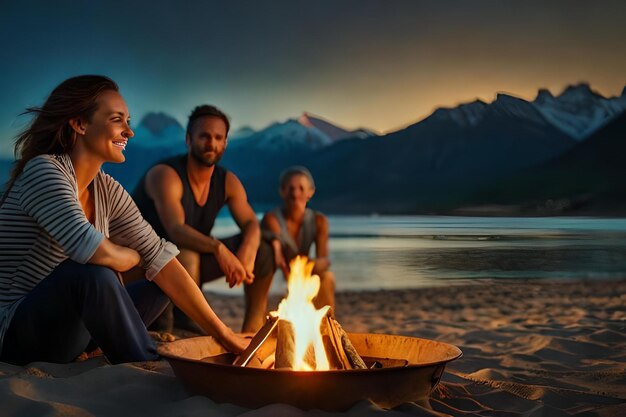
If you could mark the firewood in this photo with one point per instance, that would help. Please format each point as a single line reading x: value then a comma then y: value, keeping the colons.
x: 285, y: 348
x: 340, y: 346
x: 259, y: 346
x: 337, y: 358
x: 274, y: 345
x: 355, y: 359
x: 285, y: 345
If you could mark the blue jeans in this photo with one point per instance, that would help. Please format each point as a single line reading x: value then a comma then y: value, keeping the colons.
x: 78, y: 304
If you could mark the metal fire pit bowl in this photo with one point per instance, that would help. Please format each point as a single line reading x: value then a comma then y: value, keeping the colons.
x: 422, y: 364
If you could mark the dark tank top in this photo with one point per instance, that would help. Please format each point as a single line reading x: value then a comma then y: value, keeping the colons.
x: 199, y: 217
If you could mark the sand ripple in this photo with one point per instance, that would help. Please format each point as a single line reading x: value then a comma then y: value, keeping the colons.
x: 529, y: 349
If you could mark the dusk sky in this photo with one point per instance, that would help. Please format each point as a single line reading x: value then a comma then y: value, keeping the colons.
x: 359, y: 63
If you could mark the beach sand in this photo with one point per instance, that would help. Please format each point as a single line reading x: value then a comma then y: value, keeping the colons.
x: 529, y: 349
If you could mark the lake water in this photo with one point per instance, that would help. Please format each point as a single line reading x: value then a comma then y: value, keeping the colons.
x: 417, y: 251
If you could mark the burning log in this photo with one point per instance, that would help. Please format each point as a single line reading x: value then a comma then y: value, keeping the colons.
x: 306, y: 339
x: 337, y: 346
x: 339, y: 350
x: 274, y: 345
x: 286, y: 348
x: 258, y: 341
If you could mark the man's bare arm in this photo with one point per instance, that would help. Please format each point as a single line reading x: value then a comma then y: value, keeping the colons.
x: 165, y: 188
x: 244, y: 216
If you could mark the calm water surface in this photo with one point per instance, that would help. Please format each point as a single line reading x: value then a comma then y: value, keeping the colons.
x: 417, y: 251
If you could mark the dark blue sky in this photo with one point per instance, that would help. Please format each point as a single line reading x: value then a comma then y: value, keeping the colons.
x: 378, y: 64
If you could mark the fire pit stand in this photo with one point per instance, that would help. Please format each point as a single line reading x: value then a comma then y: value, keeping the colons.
x: 205, y: 368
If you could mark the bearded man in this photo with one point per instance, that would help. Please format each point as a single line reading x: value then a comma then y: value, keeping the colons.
x: 181, y: 196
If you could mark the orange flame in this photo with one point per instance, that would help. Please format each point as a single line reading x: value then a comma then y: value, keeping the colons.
x: 298, y: 309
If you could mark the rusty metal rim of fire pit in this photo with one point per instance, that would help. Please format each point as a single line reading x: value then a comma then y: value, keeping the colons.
x: 162, y: 350
x: 330, y: 371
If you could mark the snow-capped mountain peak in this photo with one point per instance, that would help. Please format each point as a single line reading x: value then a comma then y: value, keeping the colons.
x: 508, y: 105
x: 158, y: 128
x: 305, y: 120
x: 288, y: 135
x: 334, y: 132
x: 242, y: 132
x: 466, y: 114
x: 579, y: 92
x: 544, y: 96
x: 578, y: 110
x: 159, y: 123
x: 307, y: 132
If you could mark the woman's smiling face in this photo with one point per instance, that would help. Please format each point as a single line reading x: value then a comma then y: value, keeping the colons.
x: 106, y: 134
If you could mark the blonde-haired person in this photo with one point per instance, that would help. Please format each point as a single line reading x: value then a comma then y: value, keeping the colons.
x: 294, y: 228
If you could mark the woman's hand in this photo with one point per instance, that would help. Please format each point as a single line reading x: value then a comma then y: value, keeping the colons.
x: 233, y: 342
x: 129, y: 258
x: 118, y: 258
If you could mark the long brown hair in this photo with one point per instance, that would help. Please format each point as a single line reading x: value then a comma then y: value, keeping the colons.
x: 50, y: 131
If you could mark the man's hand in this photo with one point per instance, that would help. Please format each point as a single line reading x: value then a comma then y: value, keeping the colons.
x: 230, y: 265
x: 245, y: 218
x: 247, y: 258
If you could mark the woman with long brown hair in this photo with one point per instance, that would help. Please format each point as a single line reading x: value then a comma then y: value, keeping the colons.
x: 66, y: 232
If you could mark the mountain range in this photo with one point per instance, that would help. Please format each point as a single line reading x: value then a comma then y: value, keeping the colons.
x: 589, y: 178
x: 438, y: 164
x: 474, y: 155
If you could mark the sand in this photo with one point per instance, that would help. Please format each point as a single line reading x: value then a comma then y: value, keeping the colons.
x: 529, y: 349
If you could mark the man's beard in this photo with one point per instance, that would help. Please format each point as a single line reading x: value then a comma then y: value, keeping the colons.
x: 205, y: 160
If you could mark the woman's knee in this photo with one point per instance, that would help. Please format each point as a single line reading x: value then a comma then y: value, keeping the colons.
x: 74, y: 273
x: 101, y: 275
x: 99, y: 278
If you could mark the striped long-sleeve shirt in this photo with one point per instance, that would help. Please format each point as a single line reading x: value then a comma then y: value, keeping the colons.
x: 42, y: 224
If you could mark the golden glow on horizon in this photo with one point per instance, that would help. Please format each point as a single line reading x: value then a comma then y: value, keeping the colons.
x: 394, y: 111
